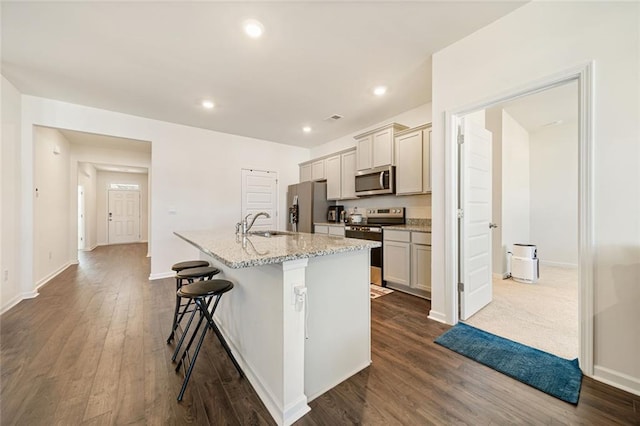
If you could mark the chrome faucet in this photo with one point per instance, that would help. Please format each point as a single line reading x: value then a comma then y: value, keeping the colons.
x: 244, y: 224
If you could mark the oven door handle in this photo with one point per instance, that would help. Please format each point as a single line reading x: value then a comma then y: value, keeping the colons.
x: 381, y: 180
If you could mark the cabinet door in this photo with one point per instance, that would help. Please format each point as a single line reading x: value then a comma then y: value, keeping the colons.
x: 426, y: 162
x: 349, y: 175
x: 317, y: 170
x: 383, y: 148
x: 421, y: 267
x: 409, y: 166
x: 336, y: 230
x: 334, y: 177
x: 363, y: 148
x: 305, y: 173
x: 397, y: 258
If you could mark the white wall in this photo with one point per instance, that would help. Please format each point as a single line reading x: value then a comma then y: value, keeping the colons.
x: 554, y: 194
x: 195, y: 173
x: 10, y: 289
x: 536, y: 41
x: 102, y: 205
x: 51, y: 203
x: 87, y: 177
x: 516, y: 194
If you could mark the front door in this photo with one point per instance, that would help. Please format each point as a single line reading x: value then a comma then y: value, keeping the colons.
x: 124, y: 216
x: 476, y: 289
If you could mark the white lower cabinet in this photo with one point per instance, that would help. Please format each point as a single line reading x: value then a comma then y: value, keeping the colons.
x: 421, y: 267
x: 321, y: 229
x: 337, y: 230
x: 407, y: 261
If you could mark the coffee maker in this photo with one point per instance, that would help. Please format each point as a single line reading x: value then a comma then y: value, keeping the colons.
x: 334, y: 213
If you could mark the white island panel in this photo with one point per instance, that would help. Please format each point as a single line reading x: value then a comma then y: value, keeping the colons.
x: 266, y: 324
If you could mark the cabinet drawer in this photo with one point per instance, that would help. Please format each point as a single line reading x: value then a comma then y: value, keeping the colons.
x: 421, y: 238
x: 321, y: 229
x: 393, y: 235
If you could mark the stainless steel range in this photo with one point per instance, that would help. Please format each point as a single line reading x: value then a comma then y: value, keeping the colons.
x: 372, y: 230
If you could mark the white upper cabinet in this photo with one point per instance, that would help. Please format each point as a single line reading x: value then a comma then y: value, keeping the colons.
x: 305, y: 172
x: 333, y: 168
x: 318, y: 170
x: 348, y: 174
x: 413, y: 160
x: 383, y: 148
x: 363, y: 149
x: 375, y: 148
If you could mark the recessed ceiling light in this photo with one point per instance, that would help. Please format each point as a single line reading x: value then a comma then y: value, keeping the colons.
x: 306, y: 129
x: 208, y: 104
x: 380, y: 90
x: 253, y: 28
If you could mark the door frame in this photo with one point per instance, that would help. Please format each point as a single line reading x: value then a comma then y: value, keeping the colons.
x: 583, y: 74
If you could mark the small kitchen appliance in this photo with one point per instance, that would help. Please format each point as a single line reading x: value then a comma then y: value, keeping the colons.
x: 335, y: 213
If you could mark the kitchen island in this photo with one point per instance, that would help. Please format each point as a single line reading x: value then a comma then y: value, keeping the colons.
x: 298, y: 318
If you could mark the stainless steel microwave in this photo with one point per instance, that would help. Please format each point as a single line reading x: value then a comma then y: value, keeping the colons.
x: 381, y: 180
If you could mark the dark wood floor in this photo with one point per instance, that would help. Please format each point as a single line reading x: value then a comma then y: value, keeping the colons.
x: 91, y: 350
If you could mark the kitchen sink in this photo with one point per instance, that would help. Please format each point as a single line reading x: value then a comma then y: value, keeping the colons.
x: 269, y: 234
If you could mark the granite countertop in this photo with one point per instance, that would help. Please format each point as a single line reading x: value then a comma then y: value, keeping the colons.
x: 409, y: 227
x: 254, y: 250
x: 341, y: 224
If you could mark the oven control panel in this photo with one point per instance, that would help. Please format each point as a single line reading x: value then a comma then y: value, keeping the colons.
x: 392, y: 212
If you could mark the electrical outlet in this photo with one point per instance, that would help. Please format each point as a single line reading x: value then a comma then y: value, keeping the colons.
x: 50, y: 255
x: 6, y: 275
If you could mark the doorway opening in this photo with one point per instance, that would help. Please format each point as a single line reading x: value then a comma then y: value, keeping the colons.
x: 469, y: 248
x: 533, y: 194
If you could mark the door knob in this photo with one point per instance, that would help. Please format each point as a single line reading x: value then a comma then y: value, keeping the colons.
x: 493, y: 225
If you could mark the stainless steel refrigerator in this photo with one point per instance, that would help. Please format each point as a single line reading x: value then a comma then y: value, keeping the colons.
x: 307, y: 202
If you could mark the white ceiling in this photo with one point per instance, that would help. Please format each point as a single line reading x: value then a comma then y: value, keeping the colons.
x: 160, y: 59
x: 553, y: 106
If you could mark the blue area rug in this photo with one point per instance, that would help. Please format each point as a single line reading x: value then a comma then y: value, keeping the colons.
x: 551, y: 374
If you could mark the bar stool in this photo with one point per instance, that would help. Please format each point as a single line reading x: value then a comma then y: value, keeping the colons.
x: 202, y: 293
x: 189, y: 273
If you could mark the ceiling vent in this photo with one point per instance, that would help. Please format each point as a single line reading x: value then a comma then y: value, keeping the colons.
x: 334, y: 117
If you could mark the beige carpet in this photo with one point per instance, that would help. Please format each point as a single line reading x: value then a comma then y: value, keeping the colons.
x: 542, y: 315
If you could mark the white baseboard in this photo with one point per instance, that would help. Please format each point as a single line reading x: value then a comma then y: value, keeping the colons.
x: 52, y: 275
x: 90, y: 248
x: 616, y: 379
x: 162, y: 275
x: 501, y: 276
x: 17, y: 299
x: 437, y: 316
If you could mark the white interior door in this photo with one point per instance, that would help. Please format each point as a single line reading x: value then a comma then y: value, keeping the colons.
x: 476, y: 290
x: 124, y: 216
x: 260, y: 194
x: 81, y: 223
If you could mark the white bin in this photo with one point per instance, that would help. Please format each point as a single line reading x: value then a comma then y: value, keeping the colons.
x: 526, y: 251
x: 525, y: 270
